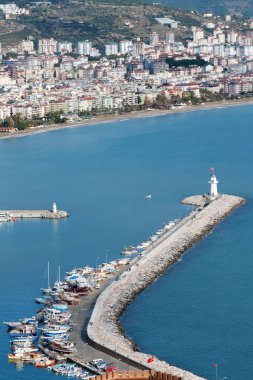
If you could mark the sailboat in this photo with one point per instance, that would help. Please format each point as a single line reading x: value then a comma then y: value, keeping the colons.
x: 48, y: 290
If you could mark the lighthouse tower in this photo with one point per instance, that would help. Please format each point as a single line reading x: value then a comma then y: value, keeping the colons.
x: 213, y: 185
x: 54, y: 208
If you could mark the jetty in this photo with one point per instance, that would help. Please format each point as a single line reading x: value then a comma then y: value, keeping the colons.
x: 104, y: 330
x: 12, y: 215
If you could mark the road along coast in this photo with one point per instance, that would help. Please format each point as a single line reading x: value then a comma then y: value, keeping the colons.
x: 104, y: 330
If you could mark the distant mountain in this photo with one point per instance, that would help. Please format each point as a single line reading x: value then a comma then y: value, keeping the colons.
x: 212, y: 6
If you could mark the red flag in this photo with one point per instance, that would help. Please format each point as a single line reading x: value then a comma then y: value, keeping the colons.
x: 211, y: 169
x: 150, y: 360
x: 215, y: 365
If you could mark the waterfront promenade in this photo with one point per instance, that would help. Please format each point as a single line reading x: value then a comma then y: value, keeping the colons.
x: 104, y: 330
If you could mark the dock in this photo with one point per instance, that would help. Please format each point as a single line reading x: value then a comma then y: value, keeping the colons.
x: 104, y: 330
x: 85, y: 352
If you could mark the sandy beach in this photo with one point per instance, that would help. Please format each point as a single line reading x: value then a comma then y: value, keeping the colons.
x: 103, y: 119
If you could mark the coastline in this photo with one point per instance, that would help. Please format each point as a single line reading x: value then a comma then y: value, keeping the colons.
x: 104, y: 119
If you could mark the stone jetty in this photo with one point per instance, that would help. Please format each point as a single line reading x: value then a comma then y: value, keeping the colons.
x: 104, y: 330
x: 42, y: 214
x: 12, y: 215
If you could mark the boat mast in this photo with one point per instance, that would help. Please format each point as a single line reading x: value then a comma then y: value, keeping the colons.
x: 48, y: 279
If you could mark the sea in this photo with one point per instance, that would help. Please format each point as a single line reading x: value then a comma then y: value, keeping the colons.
x: 200, y: 312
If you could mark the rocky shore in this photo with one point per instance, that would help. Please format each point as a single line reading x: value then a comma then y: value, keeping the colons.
x: 104, y: 329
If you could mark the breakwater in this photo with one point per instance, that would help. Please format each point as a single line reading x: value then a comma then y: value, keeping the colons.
x: 8, y: 215
x: 104, y: 330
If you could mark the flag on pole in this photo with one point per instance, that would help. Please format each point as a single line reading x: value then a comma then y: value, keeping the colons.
x: 211, y: 169
x: 215, y: 365
x: 150, y: 360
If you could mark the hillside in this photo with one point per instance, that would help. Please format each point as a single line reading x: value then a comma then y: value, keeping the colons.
x: 99, y: 21
x: 244, y: 7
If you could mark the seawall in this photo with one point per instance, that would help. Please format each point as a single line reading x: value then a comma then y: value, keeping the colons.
x: 104, y: 330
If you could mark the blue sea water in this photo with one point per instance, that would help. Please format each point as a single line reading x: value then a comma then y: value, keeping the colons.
x: 200, y: 312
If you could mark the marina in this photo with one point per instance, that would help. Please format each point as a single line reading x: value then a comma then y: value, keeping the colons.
x: 55, y: 338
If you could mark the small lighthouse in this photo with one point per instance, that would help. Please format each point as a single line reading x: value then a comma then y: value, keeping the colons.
x: 213, y: 185
x: 54, y: 208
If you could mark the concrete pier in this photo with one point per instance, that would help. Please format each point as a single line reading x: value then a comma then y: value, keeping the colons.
x: 33, y: 214
x: 104, y: 331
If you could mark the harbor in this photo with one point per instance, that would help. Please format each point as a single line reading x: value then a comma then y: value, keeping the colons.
x: 77, y: 332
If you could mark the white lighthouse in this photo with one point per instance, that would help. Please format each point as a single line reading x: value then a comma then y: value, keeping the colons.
x: 54, y: 208
x: 213, y: 186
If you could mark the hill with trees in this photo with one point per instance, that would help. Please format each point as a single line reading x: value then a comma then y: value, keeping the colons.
x: 221, y: 7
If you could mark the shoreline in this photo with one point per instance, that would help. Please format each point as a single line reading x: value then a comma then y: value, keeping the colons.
x: 104, y: 329
x: 142, y: 114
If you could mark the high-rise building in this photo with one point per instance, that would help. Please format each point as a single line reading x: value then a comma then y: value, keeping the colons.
x: 169, y: 37
x: 232, y: 37
x: 125, y: 46
x: 84, y: 47
x: 25, y: 46
x: 111, y: 49
x: 154, y: 38
x: 221, y: 38
x: 64, y: 47
x: 198, y: 34
x: 47, y: 46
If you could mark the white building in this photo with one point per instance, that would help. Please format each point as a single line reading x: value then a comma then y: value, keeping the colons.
x: 84, y: 47
x: 64, y: 47
x: 26, y: 46
x: 198, y: 34
x: 12, y: 9
x: 111, y: 49
x: 125, y: 46
x: 169, y: 38
x: 47, y: 46
x: 154, y: 38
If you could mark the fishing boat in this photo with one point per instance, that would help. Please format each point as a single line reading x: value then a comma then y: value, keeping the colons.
x: 15, y: 357
x: 129, y: 250
x: 29, y: 338
x: 44, y: 362
x: 25, y: 350
x: 44, y: 300
x: 60, y: 306
x: 21, y: 334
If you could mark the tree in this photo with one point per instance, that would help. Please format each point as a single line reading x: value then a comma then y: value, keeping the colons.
x: 20, y: 122
x: 9, y: 122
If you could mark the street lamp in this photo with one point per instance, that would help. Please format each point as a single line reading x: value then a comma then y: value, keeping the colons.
x: 97, y: 262
x: 119, y: 360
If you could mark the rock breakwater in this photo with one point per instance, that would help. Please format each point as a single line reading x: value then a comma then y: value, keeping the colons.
x: 104, y: 329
